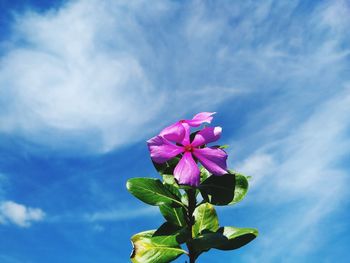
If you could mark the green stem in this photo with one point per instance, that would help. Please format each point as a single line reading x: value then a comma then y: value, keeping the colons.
x: 191, y: 194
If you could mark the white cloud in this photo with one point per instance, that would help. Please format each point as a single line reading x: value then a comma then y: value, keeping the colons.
x: 93, y: 75
x: 303, y: 172
x: 113, y: 215
x: 121, y: 214
x: 62, y: 81
x: 86, y: 75
x: 335, y: 14
x: 296, y: 144
x: 257, y: 165
x: 18, y: 214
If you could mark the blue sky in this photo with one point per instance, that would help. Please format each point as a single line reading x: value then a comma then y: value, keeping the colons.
x: 83, y: 85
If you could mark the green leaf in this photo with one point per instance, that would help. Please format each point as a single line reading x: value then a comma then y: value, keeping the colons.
x: 150, y: 246
x: 204, y: 174
x: 205, y: 242
x: 166, y: 170
x: 226, y: 238
x: 225, y: 189
x: 152, y: 192
x: 225, y: 146
x: 167, y: 167
x: 241, y: 188
x: 177, y: 234
x: 174, y: 215
x: 184, y: 199
x: 236, y: 237
x: 205, y: 219
x: 170, y: 180
x: 218, y: 190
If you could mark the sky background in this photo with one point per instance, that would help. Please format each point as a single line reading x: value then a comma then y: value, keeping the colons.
x: 83, y: 85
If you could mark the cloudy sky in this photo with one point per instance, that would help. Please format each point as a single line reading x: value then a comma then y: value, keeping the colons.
x: 83, y: 85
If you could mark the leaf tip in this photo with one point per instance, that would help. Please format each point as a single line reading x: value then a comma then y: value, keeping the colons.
x: 128, y: 184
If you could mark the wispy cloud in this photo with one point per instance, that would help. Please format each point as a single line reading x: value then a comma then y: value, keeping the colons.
x: 110, y: 215
x: 296, y: 142
x: 84, y: 72
x: 88, y: 69
x: 304, y: 174
x: 297, y: 164
x: 121, y: 214
x: 18, y: 214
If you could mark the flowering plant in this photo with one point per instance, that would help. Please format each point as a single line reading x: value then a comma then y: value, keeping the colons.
x: 188, y: 194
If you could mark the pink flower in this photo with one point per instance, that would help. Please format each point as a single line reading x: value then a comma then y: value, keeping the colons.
x: 187, y: 171
x: 178, y: 131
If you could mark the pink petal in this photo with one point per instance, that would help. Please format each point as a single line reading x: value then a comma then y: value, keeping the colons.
x: 162, y: 150
x: 214, y: 160
x: 174, y: 132
x: 186, y: 138
x: 200, y: 118
x: 207, y: 135
x: 187, y: 171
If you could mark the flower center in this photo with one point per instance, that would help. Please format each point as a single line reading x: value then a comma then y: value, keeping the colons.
x: 188, y: 148
x: 182, y: 121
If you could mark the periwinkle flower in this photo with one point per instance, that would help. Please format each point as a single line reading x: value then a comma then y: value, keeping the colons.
x: 187, y: 171
x: 179, y: 131
x: 181, y: 208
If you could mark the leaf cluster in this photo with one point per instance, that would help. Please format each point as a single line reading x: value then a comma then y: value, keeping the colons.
x: 198, y: 229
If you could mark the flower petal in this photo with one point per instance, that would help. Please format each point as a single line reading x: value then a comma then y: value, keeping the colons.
x: 213, y: 159
x: 174, y: 132
x: 207, y: 135
x: 186, y: 139
x: 187, y: 171
x: 200, y: 118
x: 162, y: 150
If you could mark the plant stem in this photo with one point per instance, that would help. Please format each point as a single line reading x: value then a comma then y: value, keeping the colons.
x: 191, y: 194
